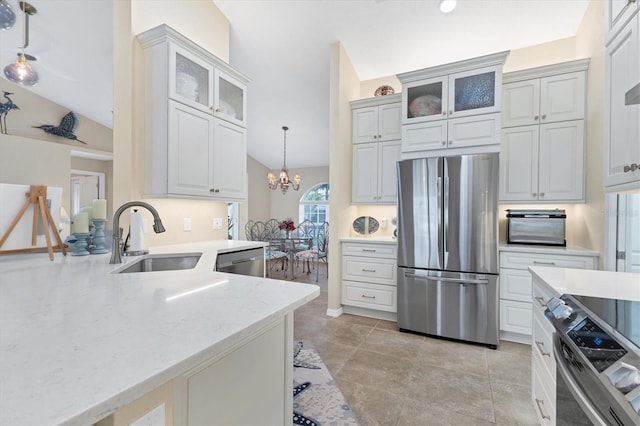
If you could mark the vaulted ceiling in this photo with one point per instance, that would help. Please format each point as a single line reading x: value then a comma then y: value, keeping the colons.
x: 283, y: 45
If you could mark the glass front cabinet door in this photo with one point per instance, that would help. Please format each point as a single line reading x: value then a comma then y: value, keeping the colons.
x: 455, y: 95
x: 190, y: 79
x: 230, y: 98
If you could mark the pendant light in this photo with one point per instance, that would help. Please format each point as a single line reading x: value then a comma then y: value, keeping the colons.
x: 20, y: 71
x: 283, y: 180
x: 7, y: 17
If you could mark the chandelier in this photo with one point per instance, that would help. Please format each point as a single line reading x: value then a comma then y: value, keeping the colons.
x: 284, y: 180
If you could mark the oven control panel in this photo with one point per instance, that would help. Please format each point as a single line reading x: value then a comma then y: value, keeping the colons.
x: 596, y: 345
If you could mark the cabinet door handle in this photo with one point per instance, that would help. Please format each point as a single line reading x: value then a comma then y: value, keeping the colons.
x: 631, y: 168
x: 544, y: 116
x: 450, y: 112
x: 535, y: 194
x: 540, y: 402
x: 218, y: 110
x: 540, y: 346
x: 541, y: 301
x: 379, y: 136
x: 445, y: 142
x: 537, y: 262
x: 542, y: 194
x: 214, y: 190
x: 444, y: 112
x: 368, y: 270
x: 536, y: 117
x: 369, y: 250
x: 367, y: 297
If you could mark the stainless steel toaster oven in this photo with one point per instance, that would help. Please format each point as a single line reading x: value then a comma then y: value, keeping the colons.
x: 541, y: 227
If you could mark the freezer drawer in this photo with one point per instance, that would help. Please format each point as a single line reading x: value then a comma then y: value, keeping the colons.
x: 447, y: 304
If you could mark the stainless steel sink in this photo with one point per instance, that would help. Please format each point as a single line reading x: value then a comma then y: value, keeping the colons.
x: 162, y: 262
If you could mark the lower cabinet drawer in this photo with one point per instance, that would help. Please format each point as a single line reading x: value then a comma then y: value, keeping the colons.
x: 515, y: 260
x: 373, y: 296
x: 378, y: 271
x: 515, y: 284
x: 543, y: 392
x: 543, y: 343
x: 516, y: 317
x: 541, y: 296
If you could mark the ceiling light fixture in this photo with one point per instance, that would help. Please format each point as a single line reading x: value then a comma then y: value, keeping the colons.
x: 284, y: 180
x: 20, y: 71
x: 7, y: 17
x: 447, y: 6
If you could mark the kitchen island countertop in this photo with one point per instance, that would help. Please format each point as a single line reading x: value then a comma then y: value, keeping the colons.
x: 583, y: 282
x: 77, y: 342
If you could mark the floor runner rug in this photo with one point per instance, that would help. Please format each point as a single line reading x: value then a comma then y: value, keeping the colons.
x: 317, y: 400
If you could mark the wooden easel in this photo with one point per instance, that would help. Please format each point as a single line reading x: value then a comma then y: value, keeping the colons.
x: 36, y: 196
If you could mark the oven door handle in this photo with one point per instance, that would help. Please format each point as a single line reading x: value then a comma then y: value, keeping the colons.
x: 581, y: 398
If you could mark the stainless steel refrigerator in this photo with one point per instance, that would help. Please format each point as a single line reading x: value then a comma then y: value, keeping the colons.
x: 448, y: 247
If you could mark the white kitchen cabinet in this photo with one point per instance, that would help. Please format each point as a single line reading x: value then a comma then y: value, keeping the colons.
x: 517, y: 300
x: 617, y: 14
x: 543, y: 364
x: 622, y: 122
x: 369, y: 275
x: 194, y: 118
x: 542, y: 154
x: 452, y: 109
x: 374, y: 173
x: 376, y: 119
x: 543, y: 163
x: 544, y: 100
x: 465, y: 132
x: 376, y: 149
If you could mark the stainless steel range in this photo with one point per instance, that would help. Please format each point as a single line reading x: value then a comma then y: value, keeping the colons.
x: 597, y: 350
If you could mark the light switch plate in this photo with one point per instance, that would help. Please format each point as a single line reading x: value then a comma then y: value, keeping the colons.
x: 187, y: 224
x: 217, y: 223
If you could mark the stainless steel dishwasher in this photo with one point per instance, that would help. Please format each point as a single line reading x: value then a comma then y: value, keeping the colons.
x: 243, y: 262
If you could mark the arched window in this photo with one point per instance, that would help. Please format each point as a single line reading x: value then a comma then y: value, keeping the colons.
x: 314, y: 204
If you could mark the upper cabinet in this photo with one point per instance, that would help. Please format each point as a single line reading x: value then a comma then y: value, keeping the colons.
x: 543, y: 144
x: 194, y: 120
x: 376, y: 149
x: 617, y: 14
x: 376, y: 123
x: 453, y: 108
x: 622, y: 122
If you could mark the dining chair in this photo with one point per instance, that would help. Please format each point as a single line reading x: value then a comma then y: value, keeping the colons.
x: 318, y: 252
x: 273, y: 255
x: 247, y: 229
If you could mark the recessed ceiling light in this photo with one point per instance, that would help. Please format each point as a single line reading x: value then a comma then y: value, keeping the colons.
x: 447, y: 6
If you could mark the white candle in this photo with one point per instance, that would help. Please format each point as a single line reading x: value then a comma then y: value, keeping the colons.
x: 88, y: 211
x: 99, y: 209
x: 80, y: 224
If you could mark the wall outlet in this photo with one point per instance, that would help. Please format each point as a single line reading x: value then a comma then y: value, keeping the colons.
x: 217, y: 223
x: 187, y: 224
x: 383, y: 223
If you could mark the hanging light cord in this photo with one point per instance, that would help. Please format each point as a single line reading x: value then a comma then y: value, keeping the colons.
x: 285, y: 128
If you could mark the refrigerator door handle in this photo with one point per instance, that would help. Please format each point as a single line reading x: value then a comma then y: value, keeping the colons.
x: 444, y: 279
x: 445, y: 211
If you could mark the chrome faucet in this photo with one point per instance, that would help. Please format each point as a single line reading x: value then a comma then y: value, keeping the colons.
x: 116, y: 251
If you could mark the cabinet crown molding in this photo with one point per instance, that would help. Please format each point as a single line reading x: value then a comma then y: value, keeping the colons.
x: 164, y: 33
x: 378, y: 100
x: 459, y: 66
x: 546, y: 71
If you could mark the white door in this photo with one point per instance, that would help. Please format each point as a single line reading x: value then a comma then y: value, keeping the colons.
x: 561, y: 161
x: 84, y: 189
x: 424, y: 136
x: 190, y: 151
x: 365, y: 125
x: 474, y: 131
x: 364, y: 186
x: 628, y: 241
x: 388, y: 156
x: 519, y: 164
x: 562, y: 97
x: 622, y: 122
x: 521, y: 103
x: 230, y: 161
x: 389, y: 126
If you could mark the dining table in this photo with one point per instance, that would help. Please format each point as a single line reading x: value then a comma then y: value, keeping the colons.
x: 290, y: 242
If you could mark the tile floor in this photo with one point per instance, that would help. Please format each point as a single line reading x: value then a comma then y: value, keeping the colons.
x: 393, y: 378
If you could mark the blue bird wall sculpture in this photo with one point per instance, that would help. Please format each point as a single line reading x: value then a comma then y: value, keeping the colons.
x: 65, y: 129
x: 5, y: 107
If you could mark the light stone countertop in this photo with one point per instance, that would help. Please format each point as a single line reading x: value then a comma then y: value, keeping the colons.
x: 77, y: 342
x: 584, y: 282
